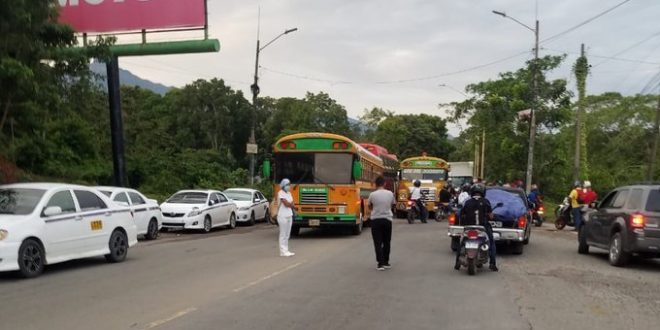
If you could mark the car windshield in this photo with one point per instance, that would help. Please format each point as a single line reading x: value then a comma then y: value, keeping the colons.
x: 188, y: 198
x: 411, y: 174
x: 19, y: 201
x: 325, y: 168
x: 653, y: 204
x: 238, y: 195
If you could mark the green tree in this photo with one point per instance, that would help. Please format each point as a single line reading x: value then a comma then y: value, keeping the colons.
x: 410, y: 135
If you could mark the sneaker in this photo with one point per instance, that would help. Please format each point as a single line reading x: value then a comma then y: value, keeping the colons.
x: 493, y: 267
x: 387, y: 266
x: 290, y: 254
x: 457, y: 266
x: 380, y: 268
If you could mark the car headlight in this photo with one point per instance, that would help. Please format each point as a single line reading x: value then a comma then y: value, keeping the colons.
x: 195, y: 212
x: 3, y: 234
x: 244, y: 208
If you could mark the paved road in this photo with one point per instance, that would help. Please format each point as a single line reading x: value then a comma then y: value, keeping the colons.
x: 233, y: 279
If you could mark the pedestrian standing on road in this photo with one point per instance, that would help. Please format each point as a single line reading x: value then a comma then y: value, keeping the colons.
x: 380, y: 203
x: 285, y: 216
x: 576, y: 204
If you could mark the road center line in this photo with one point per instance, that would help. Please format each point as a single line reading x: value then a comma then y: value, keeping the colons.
x: 171, y: 318
x: 253, y: 283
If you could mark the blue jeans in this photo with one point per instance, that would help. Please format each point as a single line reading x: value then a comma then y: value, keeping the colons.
x: 577, y: 217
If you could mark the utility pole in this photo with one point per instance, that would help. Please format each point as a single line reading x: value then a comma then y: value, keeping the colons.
x: 581, y: 70
x: 532, y: 115
x: 656, y: 137
x: 252, y: 144
x: 483, y: 154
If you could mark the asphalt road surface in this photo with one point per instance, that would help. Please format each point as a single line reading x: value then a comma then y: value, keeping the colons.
x: 234, y: 279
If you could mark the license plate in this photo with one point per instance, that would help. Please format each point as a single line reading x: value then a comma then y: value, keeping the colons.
x: 314, y: 223
x: 496, y: 224
x: 471, y: 245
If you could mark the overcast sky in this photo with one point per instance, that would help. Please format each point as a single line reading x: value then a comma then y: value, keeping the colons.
x: 367, y: 53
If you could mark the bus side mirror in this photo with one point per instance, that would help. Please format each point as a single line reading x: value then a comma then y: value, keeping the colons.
x: 266, y: 169
x: 357, y: 170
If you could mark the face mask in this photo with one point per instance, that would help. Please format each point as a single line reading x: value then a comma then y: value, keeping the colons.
x: 286, y: 188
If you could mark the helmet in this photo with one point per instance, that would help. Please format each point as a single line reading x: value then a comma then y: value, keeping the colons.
x: 587, y: 184
x: 577, y: 184
x: 466, y: 187
x: 477, y: 189
x: 418, y: 183
x: 535, y: 187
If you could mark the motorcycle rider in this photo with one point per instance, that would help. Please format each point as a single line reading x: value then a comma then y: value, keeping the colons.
x: 477, y: 211
x: 417, y: 197
x: 533, y: 196
x: 576, y: 204
x: 589, y: 196
x: 445, y: 198
x: 464, y: 195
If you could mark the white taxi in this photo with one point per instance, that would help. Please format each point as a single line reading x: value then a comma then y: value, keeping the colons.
x: 47, y: 223
x: 148, y: 217
x: 252, y: 204
x: 198, y: 209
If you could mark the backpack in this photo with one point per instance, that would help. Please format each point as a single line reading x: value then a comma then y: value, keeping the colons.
x: 274, y: 209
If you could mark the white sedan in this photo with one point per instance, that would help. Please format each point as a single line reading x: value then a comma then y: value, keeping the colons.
x: 46, y: 223
x: 252, y: 205
x: 198, y: 209
x: 148, y: 217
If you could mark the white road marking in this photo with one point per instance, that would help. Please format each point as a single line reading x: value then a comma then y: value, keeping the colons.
x: 171, y: 318
x: 253, y: 283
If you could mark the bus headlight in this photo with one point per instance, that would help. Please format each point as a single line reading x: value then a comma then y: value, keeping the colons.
x: 341, y: 209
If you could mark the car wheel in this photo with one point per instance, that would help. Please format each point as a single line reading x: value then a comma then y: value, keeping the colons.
x: 152, y: 230
x: 617, y: 256
x: 118, y: 247
x: 529, y: 235
x: 583, y: 248
x: 252, y: 220
x: 31, y: 259
x: 517, y: 248
x: 357, y: 229
x: 232, y: 221
x: 208, y: 225
x: 455, y: 242
x: 295, y: 230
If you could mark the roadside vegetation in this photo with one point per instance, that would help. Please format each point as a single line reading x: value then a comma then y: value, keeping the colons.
x: 54, y: 122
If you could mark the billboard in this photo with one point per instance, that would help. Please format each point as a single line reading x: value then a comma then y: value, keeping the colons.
x: 131, y: 15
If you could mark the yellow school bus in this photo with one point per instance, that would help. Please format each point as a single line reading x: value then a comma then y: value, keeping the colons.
x: 432, y: 172
x: 331, y: 179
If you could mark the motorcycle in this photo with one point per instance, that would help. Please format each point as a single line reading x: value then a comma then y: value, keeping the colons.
x: 537, y: 214
x: 474, y: 247
x: 444, y: 210
x: 415, y: 209
x: 563, y: 216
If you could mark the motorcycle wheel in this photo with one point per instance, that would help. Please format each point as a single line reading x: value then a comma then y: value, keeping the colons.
x: 471, y: 267
x: 455, y: 243
x: 560, y: 223
x: 538, y: 222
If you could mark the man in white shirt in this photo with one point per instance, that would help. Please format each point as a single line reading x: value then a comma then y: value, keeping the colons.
x: 380, y: 203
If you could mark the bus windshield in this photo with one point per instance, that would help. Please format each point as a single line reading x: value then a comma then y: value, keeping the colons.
x: 411, y: 174
x: 324, y: 168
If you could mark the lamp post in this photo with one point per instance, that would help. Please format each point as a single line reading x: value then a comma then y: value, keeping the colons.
x: 251, y: 147
x: 532, y: 116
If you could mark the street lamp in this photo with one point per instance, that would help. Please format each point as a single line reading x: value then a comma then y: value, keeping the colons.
x: 252, y: 145
x: 532, y: 117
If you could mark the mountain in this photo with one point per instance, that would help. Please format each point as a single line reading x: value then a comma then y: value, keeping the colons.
x: 129, y: 79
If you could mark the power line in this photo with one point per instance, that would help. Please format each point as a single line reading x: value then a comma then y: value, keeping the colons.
x: 604, y: 57
x: 398, y: 81
x: 571, y: 29
x: 652, y: 84
x: 631, y: 47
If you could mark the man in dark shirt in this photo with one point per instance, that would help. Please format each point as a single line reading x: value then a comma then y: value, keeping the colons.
x: 477, y: 212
